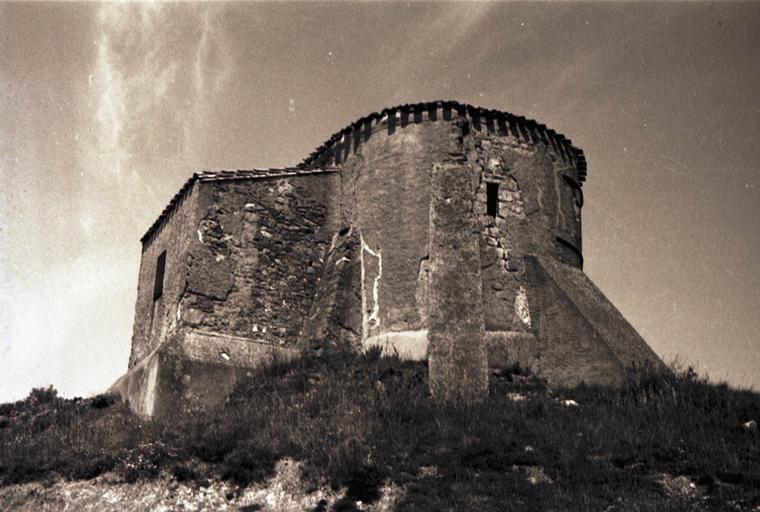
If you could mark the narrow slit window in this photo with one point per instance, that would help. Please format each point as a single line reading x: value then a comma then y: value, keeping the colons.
x: 158, y: 284
x: 492, y: 198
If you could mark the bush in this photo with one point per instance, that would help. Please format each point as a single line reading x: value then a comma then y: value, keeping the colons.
x: 102, y: 401
x: 248, y: 463
x: 39, y: 396
x: 184, y: 473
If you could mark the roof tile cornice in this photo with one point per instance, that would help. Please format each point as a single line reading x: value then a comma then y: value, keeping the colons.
x: 523, y: 128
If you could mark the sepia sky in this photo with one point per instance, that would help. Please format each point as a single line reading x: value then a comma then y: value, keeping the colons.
x: 106, y: 109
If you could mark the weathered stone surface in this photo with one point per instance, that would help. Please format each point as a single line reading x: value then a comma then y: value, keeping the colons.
x: 581, y: 336
x: 335, y: 319
x: 457, y: 355
x: 509, y: 348
x: 192, y: 370
x: 386, y: 194
x: 243, y: 259
x: 155, y: 319
x: 275, y: 239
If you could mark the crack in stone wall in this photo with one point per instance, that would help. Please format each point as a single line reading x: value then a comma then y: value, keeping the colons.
x: 386, y: 191
x: 336, y: 315
x: 422, y: 294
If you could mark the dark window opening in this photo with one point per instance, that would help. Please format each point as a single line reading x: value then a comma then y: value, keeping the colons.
x: 492, y: 198
x: 158, y: 285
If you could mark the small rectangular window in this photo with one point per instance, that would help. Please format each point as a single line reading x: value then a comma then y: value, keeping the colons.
x: 492, y: 198
x: 158, y: 285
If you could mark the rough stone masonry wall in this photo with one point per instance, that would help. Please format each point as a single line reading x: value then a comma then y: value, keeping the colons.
x: 336, y: 317
x: 536, y: 205
x: 386, y: 162
x: 155, y: 319
x: 257, y: 256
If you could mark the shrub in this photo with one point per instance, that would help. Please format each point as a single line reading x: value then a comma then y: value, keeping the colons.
x: 184, y: 473
x: 248, y: 462
x: 39, y: 396
x: 102, y: 401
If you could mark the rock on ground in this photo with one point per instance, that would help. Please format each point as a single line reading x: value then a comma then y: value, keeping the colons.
x: 282, y: 492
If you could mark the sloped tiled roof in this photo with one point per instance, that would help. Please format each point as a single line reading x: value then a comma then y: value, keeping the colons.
x: 205, y: 176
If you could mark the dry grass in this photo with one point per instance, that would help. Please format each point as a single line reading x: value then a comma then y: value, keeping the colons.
x: 359, y: 420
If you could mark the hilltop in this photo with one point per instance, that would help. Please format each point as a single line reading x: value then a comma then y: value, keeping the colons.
x: 360, y: 432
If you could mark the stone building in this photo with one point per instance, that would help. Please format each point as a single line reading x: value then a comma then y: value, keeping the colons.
x: 439, y: 231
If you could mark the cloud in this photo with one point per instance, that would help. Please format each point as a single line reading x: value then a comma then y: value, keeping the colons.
x: 212, y: 68
x: 212, y: 56
x: 158, y: 68
x: 146, y: 97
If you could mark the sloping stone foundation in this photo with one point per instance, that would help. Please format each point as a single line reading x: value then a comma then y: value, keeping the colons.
x: 192, y: 371
x: 581, y: 336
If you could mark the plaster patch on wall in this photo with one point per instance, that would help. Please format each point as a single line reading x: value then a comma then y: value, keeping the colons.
x: 521, y: 306
x: 150, y: 388
x: 373, y: 319
x: 212, y: 235
x: 408, y: 345
x: 177, y: 316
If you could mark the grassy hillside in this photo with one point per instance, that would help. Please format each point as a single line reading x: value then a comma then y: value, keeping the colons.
x: 662, y: 442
